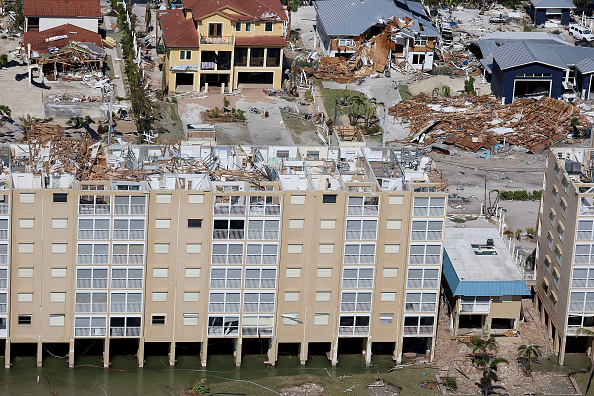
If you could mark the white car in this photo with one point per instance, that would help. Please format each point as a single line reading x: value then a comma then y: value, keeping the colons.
x: 580, y: 33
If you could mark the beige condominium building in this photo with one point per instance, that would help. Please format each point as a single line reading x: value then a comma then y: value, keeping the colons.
x: 192, y: 246
x: 565, y: 250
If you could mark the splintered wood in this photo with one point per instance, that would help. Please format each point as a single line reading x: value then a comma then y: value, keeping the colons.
x: 478, y: 122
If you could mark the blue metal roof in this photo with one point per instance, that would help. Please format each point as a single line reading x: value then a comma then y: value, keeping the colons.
x: 480, y: 288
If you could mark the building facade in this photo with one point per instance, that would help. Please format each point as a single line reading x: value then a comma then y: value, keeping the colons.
x: 564, y: 293
x: 324, y: 250
x: 222, y: 44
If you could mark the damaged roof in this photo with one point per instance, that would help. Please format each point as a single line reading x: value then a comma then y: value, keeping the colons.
x: 62, y: 8
x: 253, y: 9
x: 354, y: 17
x: 59, y: 37
x: 178, y: 31
x: 552, y: 4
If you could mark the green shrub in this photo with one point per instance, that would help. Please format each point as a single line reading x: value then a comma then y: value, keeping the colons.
x: 450, y: 383
x: 239, y: 114
x: 3, y: 59
x: 215, y: 112
x: 520, y: 195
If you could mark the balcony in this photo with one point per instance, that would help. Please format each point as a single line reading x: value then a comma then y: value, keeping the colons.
x: 126, y: 307
x: 248, y: 331
x: 89, y: 307
x: 227, y: 259
x: 220, y: 331
x: 92, y: 332
x: 267, y: 210
x: 353, y: 331
x: 218, y: 40
x: 3, y: 209
x: 366, y: 210
x: 133, y: 209
x: 91, y: 283
x: 92, y: 259
x: 418, y: 330
x: 263, y: 235
x: 93, y: 209
x: 124, y: 332
x: 228, y: 234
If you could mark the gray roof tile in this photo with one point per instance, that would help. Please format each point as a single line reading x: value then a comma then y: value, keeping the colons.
x: 552, y: 4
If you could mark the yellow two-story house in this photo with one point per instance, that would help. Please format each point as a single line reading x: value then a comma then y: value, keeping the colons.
x: 223, y: 43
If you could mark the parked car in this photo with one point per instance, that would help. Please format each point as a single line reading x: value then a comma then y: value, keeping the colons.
x: 580, y: 33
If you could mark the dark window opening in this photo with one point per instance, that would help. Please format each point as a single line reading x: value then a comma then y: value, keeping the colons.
x: 215, y: 29
x: 60, y: 197
x: 158, y: 320
x: 241, y: 56
x: 329, y: 198
x: 194, y: 223
x: 24, y: 320
x: 273, y: 57
x: 257, y: 57
x: 268, y: 27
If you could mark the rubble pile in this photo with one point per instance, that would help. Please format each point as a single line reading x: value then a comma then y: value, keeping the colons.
x: 339, y: 70
x: 482, y: 122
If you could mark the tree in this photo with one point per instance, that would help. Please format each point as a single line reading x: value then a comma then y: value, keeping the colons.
x: 20, y: 16
x: 292, y: 5
x: 4, y: 112
x: 483, y: 345
x: 587, y: 332
x: 526, y: 353
x: 147, y: 16
x: 489, y: 368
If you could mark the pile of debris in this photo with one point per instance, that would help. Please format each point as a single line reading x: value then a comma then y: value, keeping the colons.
x: 340, y: 70
x: 482, y: 122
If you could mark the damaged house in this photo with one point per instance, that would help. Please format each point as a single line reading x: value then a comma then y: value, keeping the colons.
x: 342, y: 26
x: 42, y: 15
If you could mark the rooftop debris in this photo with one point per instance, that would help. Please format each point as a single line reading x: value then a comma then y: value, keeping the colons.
x: 482, y: 122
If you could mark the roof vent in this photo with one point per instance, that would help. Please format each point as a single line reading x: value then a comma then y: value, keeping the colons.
x: 490, y: 242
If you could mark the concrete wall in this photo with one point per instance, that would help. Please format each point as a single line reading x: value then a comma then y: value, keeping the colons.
x: 64, y: 111
x: 91, y: 24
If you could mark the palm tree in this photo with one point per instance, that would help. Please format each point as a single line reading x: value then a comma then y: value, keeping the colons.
x: 588, y: 332
x: 489, y: 371
x: 4, y: 111
x: 526, y: 352
x: 483, y: 345
x: 292, y: 5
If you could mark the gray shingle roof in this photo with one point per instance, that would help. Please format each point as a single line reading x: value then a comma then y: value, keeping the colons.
x: 354, y: 17
x: 586, y: 65
x: 520, y: 53
x: 552, y: 4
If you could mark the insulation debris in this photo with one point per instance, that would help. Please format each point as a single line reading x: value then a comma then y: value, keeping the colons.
x: 482, y: 122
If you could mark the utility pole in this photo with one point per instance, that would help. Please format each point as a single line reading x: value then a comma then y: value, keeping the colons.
x: 112, y: 87
x: 386, y: 107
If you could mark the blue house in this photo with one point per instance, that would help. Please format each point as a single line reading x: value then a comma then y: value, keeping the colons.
x: 543, y: 10
x: 534, y: 68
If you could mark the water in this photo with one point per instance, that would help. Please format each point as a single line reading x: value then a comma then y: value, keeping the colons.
x: 157, y: 377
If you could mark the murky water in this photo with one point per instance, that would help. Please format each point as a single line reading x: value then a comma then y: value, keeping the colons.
x: 157, y: 378
x: 573, y: 362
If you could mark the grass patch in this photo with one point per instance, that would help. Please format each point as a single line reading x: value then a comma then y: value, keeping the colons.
x: 404, y: 92
x: 330, y: 95
x: 170, y: 126
x: 409, y: 379
x: 302, y: 134
x: 463, y: 219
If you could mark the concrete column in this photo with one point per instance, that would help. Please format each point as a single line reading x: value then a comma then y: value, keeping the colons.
x: 556, y: 343
x: 7, y: 354
x: 562, y: 351
x: 368, y: 352
x: 204, y: 351
x: 172, y: 357
x: 39, y: 354
x: 237, y: 352
x: 232, y: 75
x: 488, y: 325
x: 265, y: 54
x: 106, y: 353
x: 334, y: 352
x: 249, y: 56
x: 141, y: 352
x: 456, y: 322
x: 272, y: 351
x: 71, y: 354
x: 222, y: 88
x: 205, y: 87
x: 432, y: 353
x: 303, y: 352
x: 397, y: 355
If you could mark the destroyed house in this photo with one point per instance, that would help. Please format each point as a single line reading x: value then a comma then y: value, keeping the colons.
x: 408, y: 37
x: 542, y: 11
x: 535, y: 68
x: 222, y: 44
x: 42, y: 15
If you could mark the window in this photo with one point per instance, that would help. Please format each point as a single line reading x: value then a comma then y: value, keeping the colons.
x: 420, y: 41
x: 60, y: 197
x: 223, y: 253
x: 297, y: 199
x: 25, y: 272
x: 90, y: 326
x: 290, y: 319
x: 582, y: 277
x: 556, y: 279
x: 565, y: 184
x: 418, y: 325
x: 192, y: 272
x: 428, y: 230
x: 26, y: 247
x: 353, y: 325
x: 359, y: 253
x: 57, y: 296
x: 390, y: 272
x: 326, y: 248
x: 363, y: 206
x: 361, y: 229
x: 126, y: 278
x: 248, y: 26
x: 129, y: 205
x: 550, y: 240
x: 228, y: 229
x: 424, y: 254
x: 429, y: 206
x: 563, y: 205
x: 558, y: 254
x: 58, y: 272
x: 161, y: 248
x: 93, y: 228
x: 264, y: 229
x: 328, y: 224
x: 160, y: 272
x: 391, y: 248
x: 292, y: 296
x: 555, y: 194
x: 560, y: 231
x: 59, y: 223
x: 268, y: 26
x: 313, y: 155
x: 584, y: 253
x: 27, y: 198
x: 194, y: 223
x: 294, y: 248
x: 323, y: 296
x: 394, y: 224
x: 185, y: 55
x: 25, y: 297
x: 224, y: 302
x: 552, y: 216
x: 418, y: 59
x: 238, y: 26
x: 581, y: 301
x: 162, y: 223
x: 386, y: 318
x: 293, y: 272
x: 128, y: 229
x: 474, y: 304
x: 91, y: 278
x: 260, y: 278
x: 128, y: 253
x: 193, y: 248
x: 585, y: 230
x: 422, y: 278
x: 329, y: 198
x: 56, y: 319
x: 554, y: 302
x: 355, y: 302
x: 296, y: 223
x: 26, y: 223
x: 357, y: 278
x: 262, y: 253
x: 126, y: 302
x: 191, y: 296
x: 59, y: 247
x: 547, y: 263
x: 229, y: 205
x: 259, y: 302
x: 324, y: 272
x: 396, y: 200
x: 225, y: 278
x: 266, y: 205
x: 90, y: 302
x: 24, y: 320
x: 420, y: 302
x: 321, y: 319
x: 215, y: 29
x: 196, y: 198
x: 163, y: 198
x: 190, y: 319
x: 158, y: 319
x: 388, y: 296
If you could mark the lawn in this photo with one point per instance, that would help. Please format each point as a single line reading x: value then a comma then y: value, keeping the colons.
x: 409, y: 379
x: 404, y: 92
x: 330, y: 95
